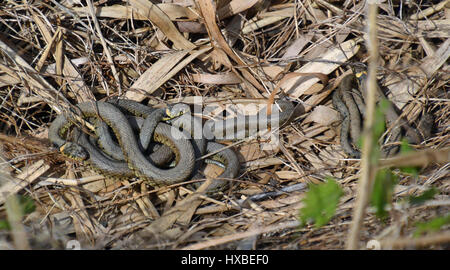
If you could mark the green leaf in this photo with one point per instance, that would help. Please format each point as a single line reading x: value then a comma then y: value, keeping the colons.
x: 426, y: 195
x: 410, y: 170
x: 379, y: 126
x: 320, y: 203
x: 27, y: 204
x: 382, y: 191
x: 405, y: 147
x: 4, y: 225
x: 432, y: 225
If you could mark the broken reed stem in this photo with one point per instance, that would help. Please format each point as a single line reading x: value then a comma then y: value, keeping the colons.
x: 367, y: 169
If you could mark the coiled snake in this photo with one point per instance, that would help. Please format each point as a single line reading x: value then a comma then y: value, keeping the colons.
x: 128, y: 156
x: 348, y: 99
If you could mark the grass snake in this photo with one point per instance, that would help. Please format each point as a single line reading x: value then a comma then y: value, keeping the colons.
x: 136, y: 160
x: 127, y: 154
x: 348, y: 99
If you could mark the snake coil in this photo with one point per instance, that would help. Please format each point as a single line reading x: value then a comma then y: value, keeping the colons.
x: 117, y: 151
x: 348, y: 99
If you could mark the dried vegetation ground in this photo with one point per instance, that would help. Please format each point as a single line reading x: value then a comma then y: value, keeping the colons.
x: 57, y: 53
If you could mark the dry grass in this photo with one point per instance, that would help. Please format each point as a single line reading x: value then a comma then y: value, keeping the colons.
x: 54, y: 54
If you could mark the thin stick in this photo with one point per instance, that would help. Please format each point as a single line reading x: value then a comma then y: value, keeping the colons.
x: 105, y: 48
x: 367, y: 168
x: 238, y: 236
x: 424, y: 241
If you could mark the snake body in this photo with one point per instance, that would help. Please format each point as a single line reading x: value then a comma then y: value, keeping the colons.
x: 186, y: 121
x: 137, y: 113
x: 183, y: 119
x: 237, y: 128
x: 244, y: 126
x: 347, y: 100
x: 124, y: 156
x: 159, y: 154
x: 100, y: 162
x: 347, y: 115
x: 135, y: 159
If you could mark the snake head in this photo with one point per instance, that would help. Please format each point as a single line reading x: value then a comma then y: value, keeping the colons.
x: 74, y: 151
x: 177, y: 110
x: 361, y: 78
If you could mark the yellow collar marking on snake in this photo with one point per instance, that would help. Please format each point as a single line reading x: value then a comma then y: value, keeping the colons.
x: 171, y: 116
x: 360, y: 74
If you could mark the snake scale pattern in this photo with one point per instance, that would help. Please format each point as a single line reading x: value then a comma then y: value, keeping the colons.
x: 348, y: 100
x: 134, y: 140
